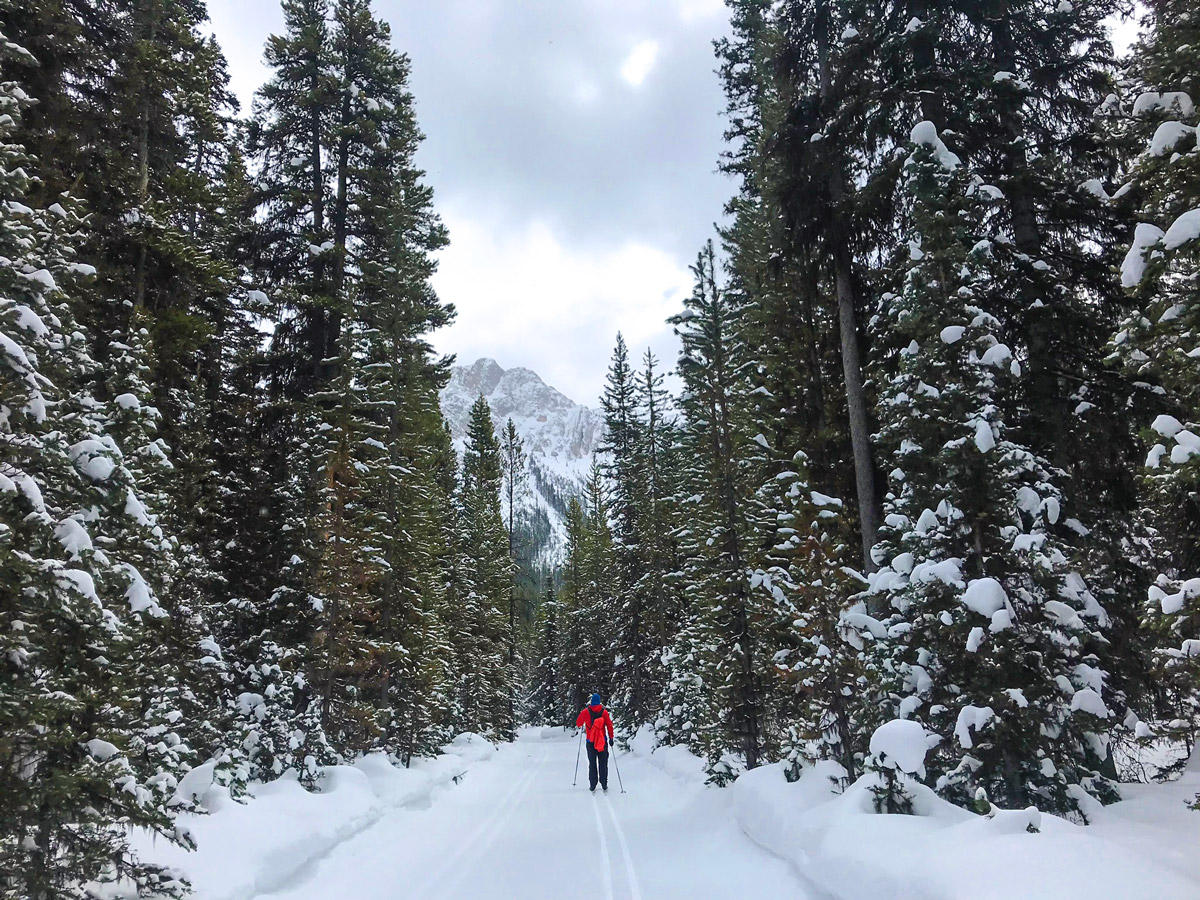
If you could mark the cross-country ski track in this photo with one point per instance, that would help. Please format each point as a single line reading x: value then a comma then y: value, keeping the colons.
x: 515, y: 828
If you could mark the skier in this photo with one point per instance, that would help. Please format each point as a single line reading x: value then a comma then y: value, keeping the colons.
x: 598, y: 728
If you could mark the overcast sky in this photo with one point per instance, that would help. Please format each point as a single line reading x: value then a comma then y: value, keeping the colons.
x: 572, y: 146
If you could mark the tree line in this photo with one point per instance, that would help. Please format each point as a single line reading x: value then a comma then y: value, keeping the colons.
x: 934, y: 453
x: 234, y: 532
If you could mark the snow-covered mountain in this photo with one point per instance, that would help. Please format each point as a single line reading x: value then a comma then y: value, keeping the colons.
x: 560, y: 438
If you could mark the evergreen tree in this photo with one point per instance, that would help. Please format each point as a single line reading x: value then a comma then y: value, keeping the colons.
x: 1161, y: 270
x: 548, y: 700
x: 991, y: 643
x: 649, y: 606
x: 344, y: 250
x: 827, y: 178
x: 135, y: 122
x: 820, y: 635
x: 596, y: 611
x: 571, y: 622
x: 621, y: 431
x: 1039, y: 145
x: 444, y: 647
x: 484, y: 676
x: 79, y: 616
x: 723, y: 636
x: 585, y: 602
x: 290, y: 139
x: 627, y: 489
x: 136, y: 125
x: 346, y: 571
x: 234, y: 529
x: 784, y: 291
x: 178, y: 668
x: 230, y: 528
x: 516, y: 475
x: 397, y: 378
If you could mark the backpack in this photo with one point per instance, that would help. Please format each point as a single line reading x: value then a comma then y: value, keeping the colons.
x: 596, y: 725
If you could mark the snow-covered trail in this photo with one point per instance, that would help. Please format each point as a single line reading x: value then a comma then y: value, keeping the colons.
x: 516, y: 829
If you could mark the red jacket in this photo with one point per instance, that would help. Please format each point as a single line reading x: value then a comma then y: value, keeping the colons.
x: 597, y: 721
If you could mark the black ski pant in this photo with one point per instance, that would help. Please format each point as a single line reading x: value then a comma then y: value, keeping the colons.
x: 597, y: 759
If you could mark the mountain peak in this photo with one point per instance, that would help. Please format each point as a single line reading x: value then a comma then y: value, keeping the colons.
x: 485, y: 364
x: 559, y: 434
x: 521, y: 394
x: 481, y: 376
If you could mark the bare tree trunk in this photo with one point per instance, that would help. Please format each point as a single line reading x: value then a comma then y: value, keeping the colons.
x: 869, y: 513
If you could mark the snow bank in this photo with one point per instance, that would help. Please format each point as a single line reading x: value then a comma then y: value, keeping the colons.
x: 1156, y: 822
x: 244, y: 849
x: 546, y: 732
x: 678, y: 762
x: 1142, y: 847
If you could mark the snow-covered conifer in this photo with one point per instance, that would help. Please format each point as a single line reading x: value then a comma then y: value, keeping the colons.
x: 723, y: 521
x: 992, y: 635
x: 819, y: 631
x: 482, y: 668
x: 76, y: 617
x: 1158, y: 342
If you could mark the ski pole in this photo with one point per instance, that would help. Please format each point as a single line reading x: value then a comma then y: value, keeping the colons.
x: 618, y: 768
x: 578, y: 747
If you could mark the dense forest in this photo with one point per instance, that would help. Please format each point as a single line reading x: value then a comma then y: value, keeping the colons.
x: 935, y: 453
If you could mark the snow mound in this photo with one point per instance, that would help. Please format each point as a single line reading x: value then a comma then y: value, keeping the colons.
x: 1167, y: 426
x: 985, y: 596
x: 244, y: 849
x: 1168, y: 136
x: 678, y: 761
x: 471, y: 747
x: 1143, y: 847
x: 1152, y: 101
x: 901, y: 744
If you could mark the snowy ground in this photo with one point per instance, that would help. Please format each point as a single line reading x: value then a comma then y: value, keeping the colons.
x: 486, y: 822
x: 512, y: 828
x: 1146, y: 846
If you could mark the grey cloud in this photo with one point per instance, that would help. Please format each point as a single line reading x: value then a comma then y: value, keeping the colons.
x: 497, y: 86
x: 512, y: 139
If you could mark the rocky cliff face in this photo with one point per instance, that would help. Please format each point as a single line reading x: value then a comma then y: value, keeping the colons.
x: 560, y: 438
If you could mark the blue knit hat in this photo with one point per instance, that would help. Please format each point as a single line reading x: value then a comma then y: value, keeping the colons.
x: 595, y: 701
